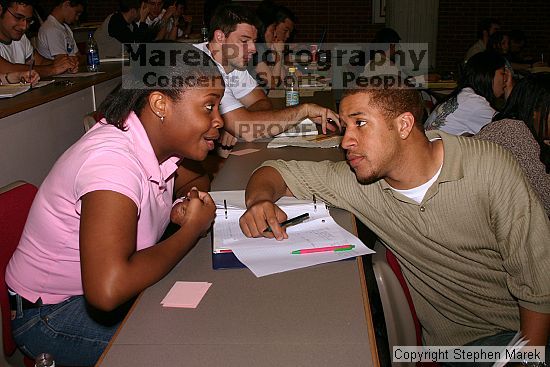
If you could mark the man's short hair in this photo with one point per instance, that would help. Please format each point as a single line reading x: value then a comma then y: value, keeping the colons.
x: 127, y: 5
x: 7, y: 3
x: 72, y: 3
x: 387, y: 35
x: 227, y: 17
x: 392, y: 100
x: 485, y: 25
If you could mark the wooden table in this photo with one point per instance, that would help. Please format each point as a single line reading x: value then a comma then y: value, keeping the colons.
x: 36, y: 127
x: 317, y: 316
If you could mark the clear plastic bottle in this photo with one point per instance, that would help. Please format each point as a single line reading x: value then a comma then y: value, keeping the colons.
x: 44, y: 360
x: 292, y: 95
x: 92, y: 54
x: 204, y: 33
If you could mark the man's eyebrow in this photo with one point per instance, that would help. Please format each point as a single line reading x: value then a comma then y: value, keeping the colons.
x: 355, y: 114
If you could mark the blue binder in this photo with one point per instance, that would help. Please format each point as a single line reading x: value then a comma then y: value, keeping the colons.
x: 226, y: 260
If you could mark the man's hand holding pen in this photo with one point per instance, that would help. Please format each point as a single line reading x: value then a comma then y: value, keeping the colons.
x: 23, y: 77
x: 261, y: 216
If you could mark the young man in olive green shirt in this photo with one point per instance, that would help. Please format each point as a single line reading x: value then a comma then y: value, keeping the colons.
x: 470, y: 233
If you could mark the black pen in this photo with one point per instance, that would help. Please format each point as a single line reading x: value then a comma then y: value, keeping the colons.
x: 291, y: 221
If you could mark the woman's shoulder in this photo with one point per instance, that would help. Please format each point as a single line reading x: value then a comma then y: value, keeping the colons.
x: 505, y: 127
x: 474, y: 105
x: 469, y: 95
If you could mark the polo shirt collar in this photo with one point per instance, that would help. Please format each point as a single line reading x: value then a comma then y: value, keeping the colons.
x: 452, y: 169
x: 158, y: 173
x: 452, y: 160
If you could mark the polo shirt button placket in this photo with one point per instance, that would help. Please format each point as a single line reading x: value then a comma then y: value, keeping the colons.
x: 422, y: 209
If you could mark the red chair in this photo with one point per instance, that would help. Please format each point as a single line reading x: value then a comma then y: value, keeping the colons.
x: 15, y: 203
x: 402, y: 323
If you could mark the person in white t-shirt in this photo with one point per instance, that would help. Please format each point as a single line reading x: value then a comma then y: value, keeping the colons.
x: 158, y: 18
x: 55, y: 37
x: 127, y: 25
x: 16, y: 51
x: 178, y: 25
x: 472, y: 105
x: 247, y: 112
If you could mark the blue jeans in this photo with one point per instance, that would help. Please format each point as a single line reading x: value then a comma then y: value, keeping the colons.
x: 68, y: 330
x: 500, y: 339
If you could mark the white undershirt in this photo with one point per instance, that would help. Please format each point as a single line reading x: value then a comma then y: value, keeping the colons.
x: 417, y: 193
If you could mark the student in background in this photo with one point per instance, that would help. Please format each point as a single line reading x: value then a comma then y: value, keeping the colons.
x: 499, y: 42
x: 485, y: 28
x: 156, y: 12
x: 516, y: 56
x: 247, y: 112
x: 16, y: 51
x: 268, y: 66
x: 122, y: 27
x: 521, y: 128
x: 473, y: 103
x: 385, y: 48
x: 159, y: 18
x: 179, y: 25
x: 468, y: 230
x: 55, y: 37
x: 91, y: 241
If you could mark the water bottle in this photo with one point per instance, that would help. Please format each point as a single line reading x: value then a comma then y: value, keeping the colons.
x: 204, y: 33
x: 292, y: 95
x: 44, y: 360
x: 92, y: 54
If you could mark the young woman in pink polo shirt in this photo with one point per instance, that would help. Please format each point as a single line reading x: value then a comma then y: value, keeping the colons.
x: 87, y: 248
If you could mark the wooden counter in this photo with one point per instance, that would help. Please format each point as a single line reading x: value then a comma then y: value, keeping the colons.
x: 36, y: 97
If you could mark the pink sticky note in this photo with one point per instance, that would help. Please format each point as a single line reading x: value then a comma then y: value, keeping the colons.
x: 185, y: 294
x: 244, y: 151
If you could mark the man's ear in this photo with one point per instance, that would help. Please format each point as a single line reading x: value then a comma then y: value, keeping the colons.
x: 219, y: 37
x: 405, y: 124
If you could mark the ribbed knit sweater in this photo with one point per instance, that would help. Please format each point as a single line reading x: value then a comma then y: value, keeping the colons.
x: 514, y: 135
x: 475, y: 247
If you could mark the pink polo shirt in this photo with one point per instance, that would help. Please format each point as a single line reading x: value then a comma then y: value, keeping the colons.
x: 46, y: 264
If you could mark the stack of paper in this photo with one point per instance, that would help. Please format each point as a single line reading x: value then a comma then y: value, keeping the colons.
x: 43, y: 83
x: 185, y: 294
x: 80, y: 75
x: 11, y: 90
x: 319, y: 141
x: 120, y: 59
x: 265, y: 256
x: 304, y: 128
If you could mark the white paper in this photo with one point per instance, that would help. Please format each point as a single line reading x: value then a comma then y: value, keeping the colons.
x: 305, y: 127
x: 11, y: 90
x: 79, y: 75
x: 43, y: 83
x: 264, y: 256
x: 113, y: 59
x: 319, y: 141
